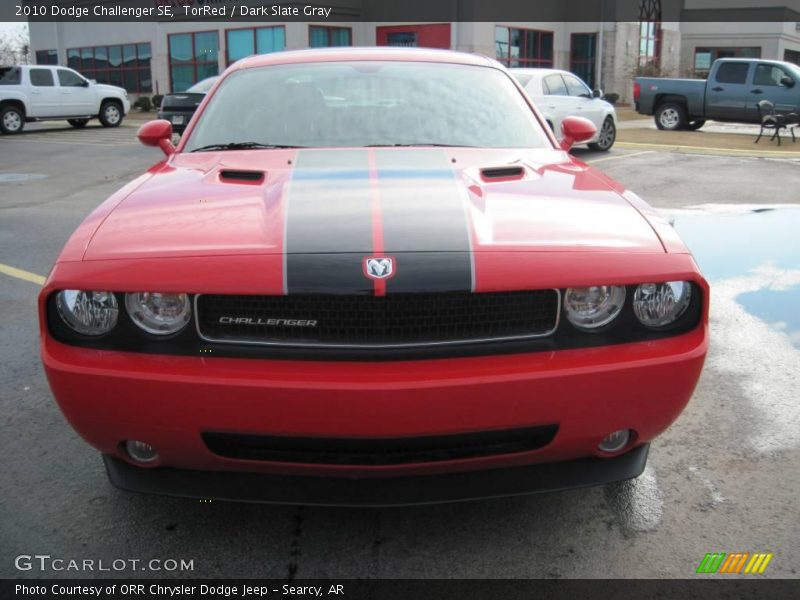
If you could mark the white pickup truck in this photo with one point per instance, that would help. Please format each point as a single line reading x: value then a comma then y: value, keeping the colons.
x: 39, y: 92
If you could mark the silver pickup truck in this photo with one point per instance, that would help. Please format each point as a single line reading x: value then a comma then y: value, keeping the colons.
x: 731, y: 92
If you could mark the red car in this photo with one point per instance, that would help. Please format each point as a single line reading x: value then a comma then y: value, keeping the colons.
x: 371, y: 276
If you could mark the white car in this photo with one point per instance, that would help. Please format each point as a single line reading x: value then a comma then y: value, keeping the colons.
x: 44, y: 92
x: 558, y: 94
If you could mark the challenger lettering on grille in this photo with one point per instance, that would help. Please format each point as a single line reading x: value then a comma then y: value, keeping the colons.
x: 273, y: 322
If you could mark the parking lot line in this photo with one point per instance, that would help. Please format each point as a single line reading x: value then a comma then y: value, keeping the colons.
x: 21, y: 274
x: 712, y: 150
x: 597, y: 160
x: 77, y: 141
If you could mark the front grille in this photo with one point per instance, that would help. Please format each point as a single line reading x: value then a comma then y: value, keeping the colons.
x: 400, y: 320
x: 378, y: 451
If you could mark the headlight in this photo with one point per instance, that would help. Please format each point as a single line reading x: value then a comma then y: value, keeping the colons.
x: 595, y: 306
x: 660, y: 304
x: 89, y: 313
x: 159, y: 314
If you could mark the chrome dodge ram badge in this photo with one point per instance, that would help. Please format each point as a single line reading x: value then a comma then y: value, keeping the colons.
x: 378, y: 268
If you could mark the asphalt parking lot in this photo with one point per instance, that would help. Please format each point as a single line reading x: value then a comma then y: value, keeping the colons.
x: 725, y: 477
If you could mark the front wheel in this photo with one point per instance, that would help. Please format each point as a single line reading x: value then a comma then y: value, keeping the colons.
x: 78, y: 123
x: 671, y: 116
x: 11, y: 120
x: 110, y: 114
x: 695, y: 125
x: 608, y: 133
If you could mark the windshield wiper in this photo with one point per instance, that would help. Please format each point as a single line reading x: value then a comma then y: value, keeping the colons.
x: 242, y: 146
x: 436, y: 145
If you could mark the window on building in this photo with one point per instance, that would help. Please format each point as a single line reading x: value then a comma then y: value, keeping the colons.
x: 650, y: 34
x: 192, y: 57
x: 126, y: 66
x: 41, y: 77
x: 792, y: 56
x: 649, y: 44
x: 253, y: 40
x: 46, y: 57
x: 583, y: 57
x: 406, y: 39
x: 705, y: 57
x: 323, y: 37
x: 523, y: 47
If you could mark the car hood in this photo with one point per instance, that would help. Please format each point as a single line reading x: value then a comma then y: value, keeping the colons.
x: 110, y: 89
x: 372, y: 201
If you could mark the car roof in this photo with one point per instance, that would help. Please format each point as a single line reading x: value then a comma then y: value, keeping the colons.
x: 366, y: 53
x: 761, y: 60
x: 537, y: 71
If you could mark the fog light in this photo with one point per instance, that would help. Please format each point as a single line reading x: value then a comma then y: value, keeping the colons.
x: 140, y: 451
x: 615, y: 441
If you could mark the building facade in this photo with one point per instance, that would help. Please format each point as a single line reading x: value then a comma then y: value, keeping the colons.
x: 150, y: 58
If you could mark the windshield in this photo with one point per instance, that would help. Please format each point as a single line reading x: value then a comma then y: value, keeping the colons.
x: 795, y: 69
x: 368, y: 103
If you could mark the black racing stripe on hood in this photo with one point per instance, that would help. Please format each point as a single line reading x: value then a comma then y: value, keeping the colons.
x: 423, y: 207
x: 328, y: 227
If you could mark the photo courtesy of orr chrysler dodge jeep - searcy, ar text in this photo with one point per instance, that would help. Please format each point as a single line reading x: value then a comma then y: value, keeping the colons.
x: 371, y: 276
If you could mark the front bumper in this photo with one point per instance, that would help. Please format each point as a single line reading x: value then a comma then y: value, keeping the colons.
x: 396, y: 491
x: 169, y: 401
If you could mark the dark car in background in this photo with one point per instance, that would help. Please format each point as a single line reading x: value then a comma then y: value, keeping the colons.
x: 732, y: 92
x: 179, y: 108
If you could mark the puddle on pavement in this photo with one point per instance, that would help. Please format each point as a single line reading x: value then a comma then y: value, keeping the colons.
x: 757, y: 247
x: 751, y: 257
x: 20, y: 177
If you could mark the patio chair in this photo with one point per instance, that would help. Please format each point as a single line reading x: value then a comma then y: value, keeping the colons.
x: 771, y: 120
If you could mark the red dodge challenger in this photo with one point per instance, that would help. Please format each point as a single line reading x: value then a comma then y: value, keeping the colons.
x: 371, y: 277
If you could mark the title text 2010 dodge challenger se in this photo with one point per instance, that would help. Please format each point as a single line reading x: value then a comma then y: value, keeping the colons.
x: 371, y: 276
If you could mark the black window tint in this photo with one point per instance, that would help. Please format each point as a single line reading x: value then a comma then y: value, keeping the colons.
x: 575, y: 87
x: 41, y: 77
x: 732, y: 72
x: 69, y: 79
x: 9, y: 76
x: 555, y: 86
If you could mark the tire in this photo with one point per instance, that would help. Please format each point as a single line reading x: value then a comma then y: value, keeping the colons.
x: 695, y: 125
x: 111, y: 114
x: 607, y: 136
x: 12, y: 120
x: 78, y: 123
x: 671, y: 116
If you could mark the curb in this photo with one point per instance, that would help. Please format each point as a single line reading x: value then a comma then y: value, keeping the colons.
x: 790, y: 154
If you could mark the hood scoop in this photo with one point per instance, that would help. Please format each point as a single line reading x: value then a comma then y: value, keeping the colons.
x: 508, y: 173
x: 240, y: 176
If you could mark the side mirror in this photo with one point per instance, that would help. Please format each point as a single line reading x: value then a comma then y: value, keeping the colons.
x: 597, y: 93
x: 157, y: 133
x: 787, y: 81
x: 84, y: 83
x: 575, y: 130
